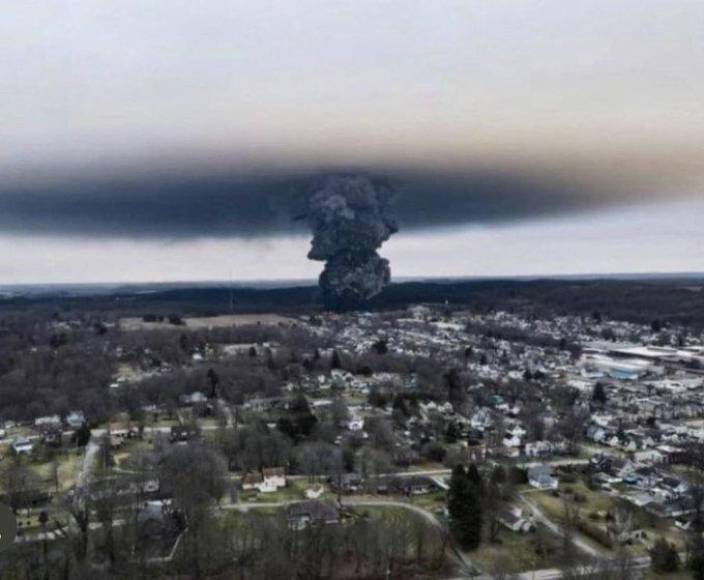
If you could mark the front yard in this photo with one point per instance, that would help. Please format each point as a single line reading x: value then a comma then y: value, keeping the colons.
x: 65, y: 470
x: 597, y: 509
x: 515, y: 552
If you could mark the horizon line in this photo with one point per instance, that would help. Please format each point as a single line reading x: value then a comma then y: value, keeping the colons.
x: 398, y: 279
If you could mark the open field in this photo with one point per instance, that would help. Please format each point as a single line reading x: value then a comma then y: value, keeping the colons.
x: 206, y: 322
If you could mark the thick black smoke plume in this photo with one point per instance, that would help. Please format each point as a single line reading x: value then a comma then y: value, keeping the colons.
x: 350, y: 220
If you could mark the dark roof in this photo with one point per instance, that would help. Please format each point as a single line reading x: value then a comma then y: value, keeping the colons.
x: 537, y: 471
x: 273, y: 472
x: 314, y: 510
x: 252, y: 477
x: 670, y: 481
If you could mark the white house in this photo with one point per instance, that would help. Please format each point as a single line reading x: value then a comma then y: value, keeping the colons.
x: 193, y: 398
x: 22, y: 446
x: 543, y: 448
x: 273, y: 478
x: 512, y: 441
x: 75, y: 419
x: 355, y: 424
x: 649, y: 456
x: 50, y: 421
x: 314, y: 492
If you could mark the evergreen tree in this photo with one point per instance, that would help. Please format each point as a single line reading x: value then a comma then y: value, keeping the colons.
x: 474, y: 477
x: 300, y: 421
x: 464, y: 507
x: 492, y: 503
x: 695, y: 545
x: 457, y: 500
x: 599, y: 394
x: 82, y: 435
x: 455, y: 391
x: 498, y: 475
x: 213, y: 380
x: 380, y: 346
x: 664, y: 557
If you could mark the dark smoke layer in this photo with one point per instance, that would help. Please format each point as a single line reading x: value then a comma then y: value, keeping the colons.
x: 186, y: 203
x: 350, y: 219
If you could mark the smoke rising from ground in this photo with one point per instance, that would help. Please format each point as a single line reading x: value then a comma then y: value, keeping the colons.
x: 350, y: 219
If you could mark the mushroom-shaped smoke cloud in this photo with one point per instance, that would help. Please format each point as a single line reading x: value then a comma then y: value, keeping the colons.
x: 350, y: 220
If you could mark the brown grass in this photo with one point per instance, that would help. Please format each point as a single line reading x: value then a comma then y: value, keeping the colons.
x: 205, y: 322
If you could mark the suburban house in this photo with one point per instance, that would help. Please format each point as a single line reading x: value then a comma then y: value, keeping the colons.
x: 314, y: 492
x: 540, y: 477
x: 267, y: 481
x: 75, y: 419
x: 50, y: 421
x: 273, y: 478
x: 119, y: 434
x: 193, y: 398
x: 312, y: 513
x: 181, y: 433
x: 516, y: 521
x: 346, y: 483
x: 22, y: 446
x: 543, y: 448
x: 417, y: 485
x: 251, y: 480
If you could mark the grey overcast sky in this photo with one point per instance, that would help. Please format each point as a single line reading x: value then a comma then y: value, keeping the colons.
x: 160, y: 140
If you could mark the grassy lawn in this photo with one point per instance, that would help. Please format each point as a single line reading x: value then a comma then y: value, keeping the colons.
x: 42, y: 470
x: 352, y: 399
x: 589, y: 449
x: 209, y: 423
x: 292, y: 492
x: 69, y: 466
x: 514, y: 553
x: 594, y: 505
x: 691, y: 474
x: 20, y: 431
x: 374, y: 511
x: 590, y: 501
x: 426, y: 466
x: 27, y: 522
x: 163, y: 421
x: 681, y: 575
x: 130, y: 448
x: 432, y: 501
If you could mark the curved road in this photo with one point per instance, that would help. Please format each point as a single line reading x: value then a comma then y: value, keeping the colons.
x: 469, y: 569
x: 545, y: 520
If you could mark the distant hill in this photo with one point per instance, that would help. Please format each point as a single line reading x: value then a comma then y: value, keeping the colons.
x: 672, y: 298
